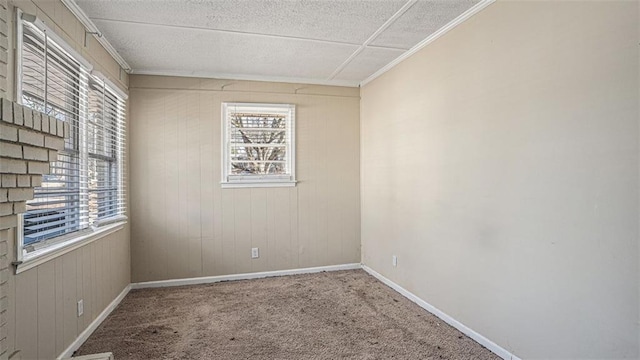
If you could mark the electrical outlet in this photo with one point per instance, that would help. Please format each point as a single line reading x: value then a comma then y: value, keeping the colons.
x: 394, y: 260
x: 255, y: 253
x: 80, y: 307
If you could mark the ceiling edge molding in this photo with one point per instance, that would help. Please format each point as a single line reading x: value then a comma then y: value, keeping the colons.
x: 431, y: 38
x: 279, y: 79
x: 91, y: 27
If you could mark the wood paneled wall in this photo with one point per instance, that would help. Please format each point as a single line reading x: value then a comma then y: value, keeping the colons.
x: 183, y: 223
x: 44, y: 298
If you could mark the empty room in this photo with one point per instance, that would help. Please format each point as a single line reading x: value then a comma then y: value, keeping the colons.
x: 319, y: 179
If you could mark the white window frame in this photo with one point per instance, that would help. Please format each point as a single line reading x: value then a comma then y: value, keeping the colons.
x: 51, y: 248
x: 244, y: 181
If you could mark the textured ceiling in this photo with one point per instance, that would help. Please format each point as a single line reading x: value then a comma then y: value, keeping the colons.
x: 339, y: 42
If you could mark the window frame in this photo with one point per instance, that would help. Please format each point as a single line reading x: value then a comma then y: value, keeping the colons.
x: 47, y: 249
x: 248, y: 181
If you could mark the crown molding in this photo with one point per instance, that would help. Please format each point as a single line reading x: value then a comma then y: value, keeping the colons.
x: 215, y: 75
x: 431, y: 38
x: 92, y: 28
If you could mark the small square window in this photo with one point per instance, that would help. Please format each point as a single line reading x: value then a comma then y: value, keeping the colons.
x: 258, y: 145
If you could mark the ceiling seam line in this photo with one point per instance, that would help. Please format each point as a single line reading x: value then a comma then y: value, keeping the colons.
x: 369, y: 46
x: 373, y: 36
x: 390, y: 21
x: 228, y: 31
x: 346, y: 62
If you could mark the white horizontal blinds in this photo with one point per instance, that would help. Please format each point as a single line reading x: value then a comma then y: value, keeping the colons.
x: 51, y: 83
x: 105, y: 148
x: 86, y: 184
x: 259, y: 140
x: 33, y: 65
x: 115, y: 110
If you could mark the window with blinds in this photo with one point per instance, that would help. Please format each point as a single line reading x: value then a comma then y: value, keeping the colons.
x: 86, y: 185
x: 258, y: 144
x: 105, y: 150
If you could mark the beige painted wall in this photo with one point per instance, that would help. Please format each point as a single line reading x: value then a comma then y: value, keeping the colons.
x: 185, y: 225
x: 43, y: 312
x: 500, y: 164
x: 41, y: 318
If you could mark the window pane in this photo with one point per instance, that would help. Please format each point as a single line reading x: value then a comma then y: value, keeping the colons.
x: 51, y: 84
x: 103, y: 189
x: 103, y: 150
x: 55, y: 209
x: 32, y: 69
x: 258, y: 143
x: 256, y: 167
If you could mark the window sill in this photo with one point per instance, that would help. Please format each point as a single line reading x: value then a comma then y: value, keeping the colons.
x: 257, y: 184
x: 39, y: 257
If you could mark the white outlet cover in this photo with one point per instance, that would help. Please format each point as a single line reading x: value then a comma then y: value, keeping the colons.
x: 255, y: 253
x: 80, y: 307
x: 394, y: 260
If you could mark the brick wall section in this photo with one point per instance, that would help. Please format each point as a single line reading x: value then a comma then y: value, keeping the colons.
x: 4, y: 204
x: 26, y: 150
x: 29, y: 141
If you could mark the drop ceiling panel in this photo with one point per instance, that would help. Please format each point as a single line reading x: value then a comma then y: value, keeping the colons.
x: 160, y: 49
x: 423, y: 19
x: 280, y: 40
x: 351, y: 21
x: 366, y: 63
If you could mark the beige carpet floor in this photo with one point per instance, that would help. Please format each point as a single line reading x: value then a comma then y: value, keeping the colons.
x: 331, y: 315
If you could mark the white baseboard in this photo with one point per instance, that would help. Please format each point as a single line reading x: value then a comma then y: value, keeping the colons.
x: 75, y: 345
x: 246, y: 276
x: 495, y: 348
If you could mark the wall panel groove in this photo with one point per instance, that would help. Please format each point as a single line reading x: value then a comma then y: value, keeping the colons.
x: 191, y: 227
